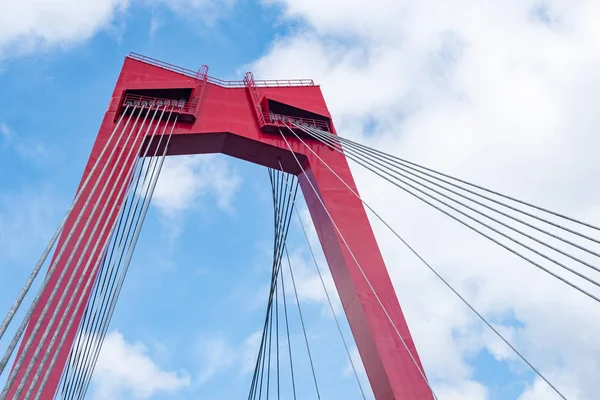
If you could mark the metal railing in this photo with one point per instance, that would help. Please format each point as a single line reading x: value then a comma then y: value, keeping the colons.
x: 162, y: 64
x: 155, y: 102
x: 221, y: 82
x: 284, y: 120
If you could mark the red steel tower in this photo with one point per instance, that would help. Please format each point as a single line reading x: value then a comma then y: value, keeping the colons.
x: 243, y: 119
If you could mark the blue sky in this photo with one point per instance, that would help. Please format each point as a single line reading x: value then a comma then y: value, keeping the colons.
x: 444, y: 87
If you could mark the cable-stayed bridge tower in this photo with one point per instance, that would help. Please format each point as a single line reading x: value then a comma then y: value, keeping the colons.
x: 242, y: 119
x: 158, y: 110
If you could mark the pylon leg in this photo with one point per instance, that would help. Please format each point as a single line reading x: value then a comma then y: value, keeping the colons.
x: 392, y: 372
x: 128, y: 157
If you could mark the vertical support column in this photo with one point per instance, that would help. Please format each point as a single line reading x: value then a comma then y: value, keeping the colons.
x: 114, y: 203
x: 390, y: 369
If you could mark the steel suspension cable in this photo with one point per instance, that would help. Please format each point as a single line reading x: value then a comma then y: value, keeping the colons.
x: 259, y: 366
x: 283, y: 246
x: 156, y: 169
x: 377, y: 158
x: 287, y: 331
x: 317, y: 195
x: 90, y: 279
x: 382, y: 169
x: 415, y: 172
x: 264, y: 357
x: 258, y: 369
x: 378, y: 161
x: 270, y: 345
x: 415, y: 166
x: 51, y: 269
x: 281, y: 224
x: 328, y: 297
x: 74, y: 354
x: 312, y: 367
x: 269, y: 363
x: 291, y: 185
x: 23, y: 292
x: 256, y: 383
x: 262, y: 372
x: 93, y: 273
x: 97, y: 283
x: 111, y: 270
x: 277, y: 338
x: 482, y: 233
x: 103, y: 276
x: 435, y: 272
x: 286, y: 213
x: 282, y: 188
x: 337, y: 323
x: 87, y: 330
x: 292, y: 189
x: 277, y: 187
x: 63, y: 297
x: 96, y: 240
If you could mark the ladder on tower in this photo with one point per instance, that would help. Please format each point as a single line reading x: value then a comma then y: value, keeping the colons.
x: 255, y: 96
x: 201, y: 82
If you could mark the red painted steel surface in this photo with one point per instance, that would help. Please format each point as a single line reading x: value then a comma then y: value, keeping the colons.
x: 226, y: 123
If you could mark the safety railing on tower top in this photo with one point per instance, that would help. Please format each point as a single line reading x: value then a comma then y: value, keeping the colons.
x: 162, y: 64
x: 221, y: 82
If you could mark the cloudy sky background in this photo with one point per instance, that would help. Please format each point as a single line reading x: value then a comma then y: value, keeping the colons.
x: 503, y: 93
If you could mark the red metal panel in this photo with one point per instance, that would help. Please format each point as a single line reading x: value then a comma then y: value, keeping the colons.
x: 226, y: 123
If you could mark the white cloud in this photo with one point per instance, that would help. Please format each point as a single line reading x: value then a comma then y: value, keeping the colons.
x: 155, y: 24
x: 5, y: 132
x: 308, y: 283
x: 502, y: 93
x: 539, y: 390
x: 360, y: 371
x: 28, y: 219
x: 125, y: 369
x: 27, y: 26
x: 185, y: 179
x: 468, y: 390
x: 29, y: 149
x: 249, y: 352
x: 216, y: 356
x: 207, y: 11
